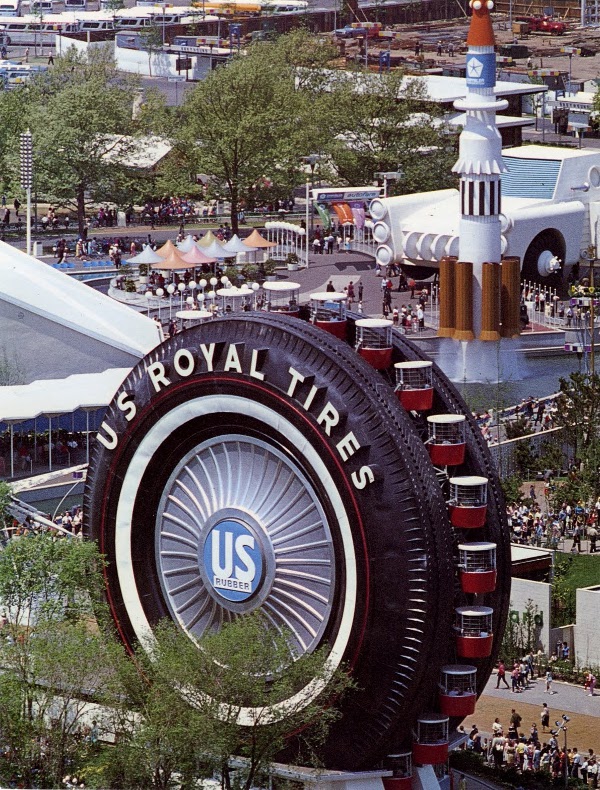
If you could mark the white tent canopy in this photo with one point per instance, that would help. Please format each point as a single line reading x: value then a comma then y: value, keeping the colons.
x: 187, y: 244
x: 215, y: 250
x: 35, y: 287
x: 147, y: 255
x: 235, y: 244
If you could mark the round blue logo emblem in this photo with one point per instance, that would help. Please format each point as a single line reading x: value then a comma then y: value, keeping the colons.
x: 233, y: 560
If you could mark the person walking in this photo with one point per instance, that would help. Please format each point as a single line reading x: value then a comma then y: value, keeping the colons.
x: 576, y: 539
x: 593, y: 536
x: 590, y: 684
x: 350, y: 292
x: 545, y: 716
x: 501, y: 675
x: 360, y: 290
x: 549, y: 680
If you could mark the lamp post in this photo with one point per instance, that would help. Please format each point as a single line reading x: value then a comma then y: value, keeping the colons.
x: 181, y: 289
x: 561, y: 726
x: 389, y: 175
x: 590, y: 255
x: 311, y: 160
x: 160, y: 293
x: 148, y: 296
x: 26, y: 151
x: 306, y: 220
x: 171, y: 291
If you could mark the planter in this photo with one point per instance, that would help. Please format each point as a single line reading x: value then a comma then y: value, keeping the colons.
x: 143, y: 279
x: 293, y: 267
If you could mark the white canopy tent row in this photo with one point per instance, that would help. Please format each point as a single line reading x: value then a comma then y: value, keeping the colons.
x: 51, y: 398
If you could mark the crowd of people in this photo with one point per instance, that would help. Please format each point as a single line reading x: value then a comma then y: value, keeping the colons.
x: 533, y: 525
x: 68, y: 523
x: 525, y: 749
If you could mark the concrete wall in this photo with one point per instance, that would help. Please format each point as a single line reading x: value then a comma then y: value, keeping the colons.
x: 587, y: 632
x: 63, y: 44
x: 164, y: 64
x: 523, y: 590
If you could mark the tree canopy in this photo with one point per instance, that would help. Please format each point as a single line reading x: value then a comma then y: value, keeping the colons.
x: 248, y: 127
x: 248, y: 123
x: 390, y: 127
x: 240, y: 694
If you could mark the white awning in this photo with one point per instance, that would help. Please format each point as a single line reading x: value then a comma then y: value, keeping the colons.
x: 52, y: 397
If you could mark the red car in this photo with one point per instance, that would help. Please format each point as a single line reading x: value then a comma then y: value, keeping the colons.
x: 544, y: 24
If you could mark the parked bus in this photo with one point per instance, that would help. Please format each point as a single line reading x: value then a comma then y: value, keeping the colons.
x: 29, y: 28
x: 230, y: 7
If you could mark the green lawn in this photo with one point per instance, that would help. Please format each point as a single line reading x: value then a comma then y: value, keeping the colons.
x: 583, y: 570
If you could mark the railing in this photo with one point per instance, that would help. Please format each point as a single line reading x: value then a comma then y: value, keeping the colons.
x: 503, y: 453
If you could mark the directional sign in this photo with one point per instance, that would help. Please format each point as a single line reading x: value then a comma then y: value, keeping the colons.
x: 570, y: 51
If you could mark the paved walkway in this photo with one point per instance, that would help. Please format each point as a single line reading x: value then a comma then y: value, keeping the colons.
x: 584, y: 711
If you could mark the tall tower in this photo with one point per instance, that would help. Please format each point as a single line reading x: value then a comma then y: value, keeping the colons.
x: 480, y: 164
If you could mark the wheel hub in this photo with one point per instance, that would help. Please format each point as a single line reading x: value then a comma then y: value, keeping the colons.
x: 548, y: 263
x: 239, y: 527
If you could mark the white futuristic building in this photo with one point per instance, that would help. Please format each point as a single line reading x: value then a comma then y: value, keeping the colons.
x: 550, y: 207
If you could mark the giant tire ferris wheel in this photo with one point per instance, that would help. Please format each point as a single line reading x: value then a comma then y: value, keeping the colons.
x: 258, y: 462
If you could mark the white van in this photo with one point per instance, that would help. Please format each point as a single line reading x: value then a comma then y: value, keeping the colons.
x: 10, y: 7
x: 41, y: 7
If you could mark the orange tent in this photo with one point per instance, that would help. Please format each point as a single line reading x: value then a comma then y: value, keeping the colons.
x: 256, y: 240
x: 173, y: 263
x: 166, y: 250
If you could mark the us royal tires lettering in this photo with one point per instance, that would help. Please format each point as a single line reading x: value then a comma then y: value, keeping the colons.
x: 189, y: 362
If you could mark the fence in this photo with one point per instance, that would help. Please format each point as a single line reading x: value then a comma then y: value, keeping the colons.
x: 504, y: 453
x: 288, y: 238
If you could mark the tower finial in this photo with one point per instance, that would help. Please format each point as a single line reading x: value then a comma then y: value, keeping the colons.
x: 481, y: 33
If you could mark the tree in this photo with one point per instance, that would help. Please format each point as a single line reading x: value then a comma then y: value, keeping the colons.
x: 578, y: 412
x: 80, y: 113
x: 253, y: 120
x: 54, y: 653
x: 389, y: 126
x: 201, y: 694
x: 151, y: 39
